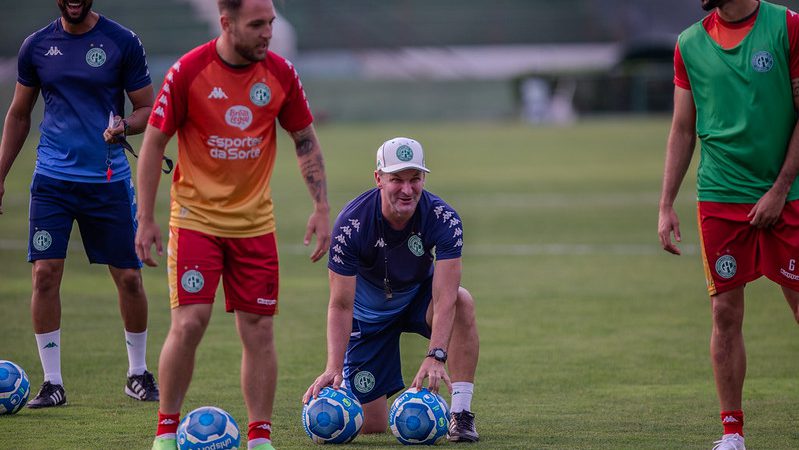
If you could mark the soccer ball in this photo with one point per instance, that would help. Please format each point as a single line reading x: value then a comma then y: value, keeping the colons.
x: 208, y: 427
x: 14, y: 387
x: 418, y: 417
x: 334, y: 417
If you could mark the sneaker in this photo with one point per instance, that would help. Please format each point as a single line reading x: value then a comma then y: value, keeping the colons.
x: 461, y: 428
x: 165, y: 444
x: 730, y: 442
x: 49, y: 395
x: 142, y: 387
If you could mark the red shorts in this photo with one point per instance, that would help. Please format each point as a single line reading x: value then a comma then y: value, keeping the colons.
x: 248, y: 267
x: 735, y: 253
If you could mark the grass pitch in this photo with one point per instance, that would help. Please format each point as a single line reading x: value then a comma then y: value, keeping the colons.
x: 591, y: 336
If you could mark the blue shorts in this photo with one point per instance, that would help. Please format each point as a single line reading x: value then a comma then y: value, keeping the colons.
x: 372, y: 366
x: 106, y: 216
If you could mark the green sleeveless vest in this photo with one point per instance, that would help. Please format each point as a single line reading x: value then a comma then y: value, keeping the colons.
x: 744, y: 108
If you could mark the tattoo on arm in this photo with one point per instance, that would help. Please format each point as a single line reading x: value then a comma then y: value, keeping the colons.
x: 313, y: 171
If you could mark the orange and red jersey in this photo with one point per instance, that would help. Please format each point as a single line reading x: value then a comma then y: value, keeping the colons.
x: 225, y: 120
x: 729, y: 35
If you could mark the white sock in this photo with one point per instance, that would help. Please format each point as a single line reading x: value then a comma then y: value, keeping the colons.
x: 256, y: 442
x: 462, y: 396
x: 49, y: 345
x: 136, y: 344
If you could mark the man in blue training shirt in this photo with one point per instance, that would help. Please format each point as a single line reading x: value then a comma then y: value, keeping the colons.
x: 394, y: 267
x: 83, y: 64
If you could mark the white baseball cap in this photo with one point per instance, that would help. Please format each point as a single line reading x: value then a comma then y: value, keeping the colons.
x: 400, y: 153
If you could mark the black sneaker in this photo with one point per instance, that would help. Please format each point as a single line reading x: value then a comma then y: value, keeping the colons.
x: 142, y: 387
x: 461, y: 428
x: 49, y: 395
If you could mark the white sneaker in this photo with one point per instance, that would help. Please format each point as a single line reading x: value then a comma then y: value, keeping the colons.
x: 730, y: 442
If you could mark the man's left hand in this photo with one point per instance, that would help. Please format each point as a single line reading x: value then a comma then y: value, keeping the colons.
x: 767, y: 210
x: 436, y: 371
x: 318, y: 224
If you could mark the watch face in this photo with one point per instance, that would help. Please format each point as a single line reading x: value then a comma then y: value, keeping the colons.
x: 439, y: 353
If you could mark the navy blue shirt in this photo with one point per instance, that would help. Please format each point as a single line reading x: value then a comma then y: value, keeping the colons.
x: 82, y: 77
x: 365, y: 246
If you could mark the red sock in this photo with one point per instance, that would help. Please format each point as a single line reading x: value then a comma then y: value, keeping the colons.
x: 733, y: 422
x: 167, y: 424
x: 259, y: 430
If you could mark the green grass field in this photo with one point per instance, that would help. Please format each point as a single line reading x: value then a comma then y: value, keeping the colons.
x: 591, y: 336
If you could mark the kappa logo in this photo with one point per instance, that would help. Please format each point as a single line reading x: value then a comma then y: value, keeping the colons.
x: 239, y: 116
x: 217, y: 93
x: 266, y: 301
x: 167, y: 422
x: 729, y: 419
x: 54, y: 51
x: 50, y: 344
x: 159, y: 111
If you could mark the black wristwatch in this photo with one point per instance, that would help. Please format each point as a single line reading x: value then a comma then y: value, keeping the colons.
x: 125, y: 127
x: 439, y: 354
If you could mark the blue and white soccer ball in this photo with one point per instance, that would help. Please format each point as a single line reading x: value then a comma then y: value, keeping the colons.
x: 208, y: 427
x: 14, y: 387
x: 334, y: 417
x: 419, y: 417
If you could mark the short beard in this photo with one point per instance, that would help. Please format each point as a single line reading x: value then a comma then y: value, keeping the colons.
x: 87, y: 8
x: 710, y: 5
x: 247, y: 53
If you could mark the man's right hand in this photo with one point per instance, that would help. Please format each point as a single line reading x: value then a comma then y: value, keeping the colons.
x: 332, y: 378
x: 668, y: 223
x: 147, y: 234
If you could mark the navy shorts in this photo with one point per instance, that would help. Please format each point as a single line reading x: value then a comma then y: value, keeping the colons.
x: 372, y: 366
x: 106, y: 216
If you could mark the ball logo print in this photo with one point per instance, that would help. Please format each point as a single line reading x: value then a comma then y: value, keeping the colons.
x: 192, y: 281
x: 416, y: 245
x: 726, y: 266
x: 42, y: 240
x: 762, y: 61
x: 95, y: 57
x: 239, y: 117
x: 208, y: 427
x: 404, y: 153
x: 260, y: 94
x: 364, y: 381
x: 335, y: 416
x: 14, y: 387
x: 418, y: 417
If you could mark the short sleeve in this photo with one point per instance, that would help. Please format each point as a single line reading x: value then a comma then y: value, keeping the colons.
x: 170, y: 108
x: 295, y: 114
x: 680, y: 73
x: 346, y: 237
x: 447, y: 231
x: 135, y: 72
x: 26, y: 70
x: 793, y: 41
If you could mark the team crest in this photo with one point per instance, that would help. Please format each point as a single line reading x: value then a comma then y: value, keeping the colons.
x: 726, y: 266
x: 42, y: 240
x: 95, y: 57
x: 762, y: 61
x: 415, y: 245
x: 364, y: 381
x: 260, y: 94
x: 192, y: 281
x: 404, y: 153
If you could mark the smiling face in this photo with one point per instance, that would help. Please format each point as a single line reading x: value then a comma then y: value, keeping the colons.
x: 250, y: 29
x: 74, y: 11
x: 399, y: 193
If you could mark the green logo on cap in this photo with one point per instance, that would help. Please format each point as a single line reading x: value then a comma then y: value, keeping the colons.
x: 404, y: 153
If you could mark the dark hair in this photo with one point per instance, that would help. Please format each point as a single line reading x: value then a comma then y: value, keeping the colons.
x: 229, y: 6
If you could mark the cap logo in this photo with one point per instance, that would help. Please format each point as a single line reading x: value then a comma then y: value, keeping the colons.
x: 404, y: 153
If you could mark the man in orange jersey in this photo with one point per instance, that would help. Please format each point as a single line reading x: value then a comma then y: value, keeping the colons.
x: 223, y: 99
